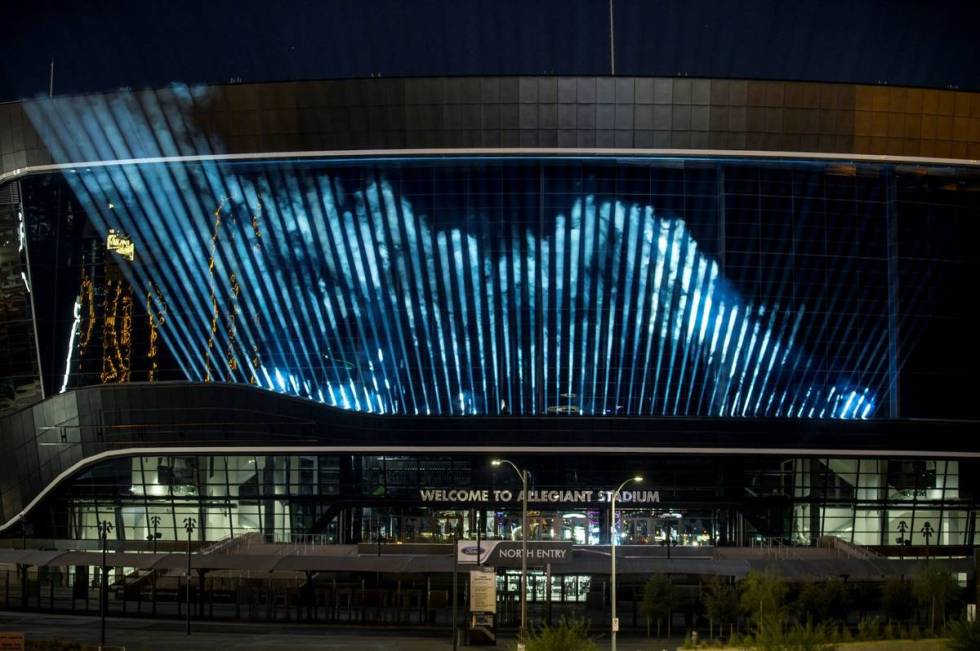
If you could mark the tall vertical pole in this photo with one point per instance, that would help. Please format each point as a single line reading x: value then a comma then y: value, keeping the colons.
x: 188, y: 627
x: 104, y: 528
x: 547, y: 594
x: 612, y: 536
x: 522, y: 632
x: 102, y: 596
x: 523, y: 635
x: 455, y: 573
x: 612, y: 41
x: 189, y: 524
x: 51, y: 79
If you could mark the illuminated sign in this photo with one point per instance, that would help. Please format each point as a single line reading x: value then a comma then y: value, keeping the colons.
x: 483, y: 591
x: 119, y: 242
x: 507, y: 553
x: 558, y: 496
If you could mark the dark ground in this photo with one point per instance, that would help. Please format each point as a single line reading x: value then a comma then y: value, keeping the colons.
x: 164, y: 635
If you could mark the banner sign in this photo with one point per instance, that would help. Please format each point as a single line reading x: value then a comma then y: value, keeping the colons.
x: 536, y: 497
x: 483, y: 591
x: 507, y: 553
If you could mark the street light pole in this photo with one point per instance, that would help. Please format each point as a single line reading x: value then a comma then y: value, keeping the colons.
x: 189, y: 524
x: 522, y: 633
x: 927, y: 532
x: 612, y: 532
x: 902, y: 540
x: 104, y: 528
x: 155, y: 536
x: 456, y: 534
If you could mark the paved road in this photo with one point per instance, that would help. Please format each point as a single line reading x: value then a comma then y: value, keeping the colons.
x: 167, y: 635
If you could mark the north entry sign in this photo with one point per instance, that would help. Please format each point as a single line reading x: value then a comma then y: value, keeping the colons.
x: 507, y: 553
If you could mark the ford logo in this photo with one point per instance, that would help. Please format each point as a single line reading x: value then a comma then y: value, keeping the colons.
x: 473, y: 551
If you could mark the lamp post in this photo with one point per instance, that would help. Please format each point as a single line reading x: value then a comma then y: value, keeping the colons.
x: 522, y: 633
x: 902, y: 540
x: 927, y: 532
x: 104, y: 528
x: 456, y: 534
x: 189, y: 524
x: 612, y: 532
x: 155, y: 536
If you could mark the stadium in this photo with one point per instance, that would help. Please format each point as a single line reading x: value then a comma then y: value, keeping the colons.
x: 310, y: 314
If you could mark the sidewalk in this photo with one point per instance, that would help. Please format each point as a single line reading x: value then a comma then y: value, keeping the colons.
x: 166, y: 635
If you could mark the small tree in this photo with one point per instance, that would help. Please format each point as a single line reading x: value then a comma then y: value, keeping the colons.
x: 660, y: 597
x: 934, y: 587
x: 897, y: 599
x: 720, y: 603
x: 822, y: 602
x: 763, y: 597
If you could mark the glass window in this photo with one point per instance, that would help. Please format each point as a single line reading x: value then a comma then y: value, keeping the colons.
x: 928, y: 527
x: 899, y: 528
x: 867, y: 527
x: 954, y: 529
x: 870, y: 480
x: 838, y: 521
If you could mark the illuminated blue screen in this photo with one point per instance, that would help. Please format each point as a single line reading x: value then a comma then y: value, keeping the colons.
x: 496, y: 286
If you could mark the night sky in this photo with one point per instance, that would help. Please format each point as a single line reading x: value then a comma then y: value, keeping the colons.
x: 106, y: 45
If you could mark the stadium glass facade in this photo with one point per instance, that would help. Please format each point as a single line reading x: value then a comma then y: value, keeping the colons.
x: 345, y: 499
x: 512, y: 286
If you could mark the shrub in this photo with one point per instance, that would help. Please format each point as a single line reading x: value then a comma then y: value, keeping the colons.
x: 55, y: 645
x: 869, y: 629
x: 897, y: 599
x: 890, y: 632
x: 808, y: 637
x: 913, y: 632
x: 567, y: 635
x: 965, y: 636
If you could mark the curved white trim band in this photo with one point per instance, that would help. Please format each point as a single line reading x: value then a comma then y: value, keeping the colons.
x: 504, y: 152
